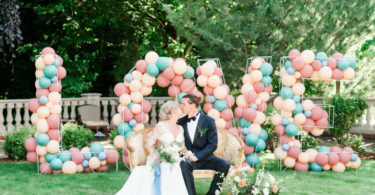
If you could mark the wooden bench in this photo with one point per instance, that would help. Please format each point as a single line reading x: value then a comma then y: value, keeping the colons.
x: 230, y: 148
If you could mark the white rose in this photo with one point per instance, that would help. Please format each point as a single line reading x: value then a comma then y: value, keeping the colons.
x: 266, y: 191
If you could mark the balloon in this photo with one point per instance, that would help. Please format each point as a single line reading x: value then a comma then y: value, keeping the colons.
x: 32, y: 157
x: 220, y: 92
x: 322, y: 159
x: 42, y: 139
x: 294, y: 152
x: 214, y: 81
x: 280, y: 154
x: 189, y: 73
x: 112, y: 156
x: 141, y: 65
x: 280, y: 130
x: 349, y: 74
x: 266, y: 69
x: 256, y: 63
x: 54, y: 97
x: 136, y: 97
x: 333, y: 158
x: 54, y: 134
x: 208, y: 68
x: 226, y: 114
x: 308, y: 56
x: 96, y: 148
x: 148, y: 80
x: 258, y: 87
x: 151, y: 57
x: 299, y: 119
x: 44, y: 82
x: 168, y: 73
x: 355, y: 164
x: 293, y: 54
x: 215, y: 114
x: 177, y: 80
x: 56, y: 87
x: 30, y: 144
x: 202, y: 80
x: 53, y: 121
x: 261, y: 145
x: 291, y: 129
x: 256, y: 75
x: 249, y: 114
x: 179, y: 66
x: 289, y: 105
x: 52, y: 146
x: 187, y: 86
x: 161, y: 81
x: 162, y: 63
x: 253, y: 159
x: 298, y: 63
x: 48, y: 59
x: 50, y: 71
x: 325, y: 73
x: 307, y: 105
x: 69, y: 167
x: 339, y: 167
x: 316, y: 167
x: 344, y: 157
x: 94, y: 163
x: 65, y: 156
x: 301, y: 166
x: 251, y: 139
x: 119, y: 141
x: 243, y: 122
x: 218, y: 71
x: 286, y: 93
x: 260, y: 118
x: 303, y: 157
x: 343, y: 63
x: 220, y: 123
x: 289, y: 162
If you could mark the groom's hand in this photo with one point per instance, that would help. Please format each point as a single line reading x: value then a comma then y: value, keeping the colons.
x: 193, y: 158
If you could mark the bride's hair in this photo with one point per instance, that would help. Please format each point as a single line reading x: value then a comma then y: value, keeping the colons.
x: 166, y: 110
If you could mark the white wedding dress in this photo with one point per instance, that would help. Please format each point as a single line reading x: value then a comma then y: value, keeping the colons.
x: 141, y: 178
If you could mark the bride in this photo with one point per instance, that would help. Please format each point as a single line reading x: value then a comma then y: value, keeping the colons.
x: 169, y: 179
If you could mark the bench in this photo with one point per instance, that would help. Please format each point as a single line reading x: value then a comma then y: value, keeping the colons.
x: 230, y: 148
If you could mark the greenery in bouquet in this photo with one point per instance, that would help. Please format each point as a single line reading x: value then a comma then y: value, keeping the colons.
x: 169, y: 152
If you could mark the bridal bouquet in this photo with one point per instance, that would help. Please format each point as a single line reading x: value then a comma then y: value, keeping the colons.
x: 169, y: 152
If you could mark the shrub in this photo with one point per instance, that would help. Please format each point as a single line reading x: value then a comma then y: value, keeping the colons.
x: 74, y: 135
x: 353, y: 141
x: 308, y: 141
x: 14, y: 145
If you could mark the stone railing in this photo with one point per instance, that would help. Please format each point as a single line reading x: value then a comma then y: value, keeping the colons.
x: 14, y: 113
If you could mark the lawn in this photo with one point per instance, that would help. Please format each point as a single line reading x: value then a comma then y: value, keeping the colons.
x: 22, y: 178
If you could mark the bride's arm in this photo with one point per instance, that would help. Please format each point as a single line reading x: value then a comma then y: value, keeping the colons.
x: 152, y: 142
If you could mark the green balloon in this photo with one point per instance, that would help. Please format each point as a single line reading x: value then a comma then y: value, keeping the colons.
x: 50, y: 156
x: 56, y: 164
x: 343, y: 63
x: 152, y: 70
x: 243, y: 122
x: 189, y: 73
x: 128, y: 135
x: 162, y: 63
x: 251, y: 139
x: 123, y: 128
x: 220, y: 105
x: 180, y: 96
x: 286, y: 93
x: 50, y: 71
x: 44, y: 82
x: 266, y: 80
x: 252, y: 159
x: 266, y: 69
x: 298, y: 109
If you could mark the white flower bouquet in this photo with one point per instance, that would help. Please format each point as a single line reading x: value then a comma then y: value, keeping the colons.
x: 169, y: 152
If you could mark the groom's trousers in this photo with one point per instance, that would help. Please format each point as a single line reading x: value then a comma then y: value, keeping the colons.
x: 219, y: 165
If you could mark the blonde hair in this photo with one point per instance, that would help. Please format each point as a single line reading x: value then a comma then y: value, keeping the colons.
x: 166, y: 110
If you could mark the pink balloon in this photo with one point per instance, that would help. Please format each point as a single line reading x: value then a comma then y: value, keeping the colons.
x: 322, y: 159
x: 316, y: 65
x: 61, y: 72
x: 45, y: 168
x: 307, y: 71
x: 120, y: 89
x: 308, y: 125
x: 141, y: 66
x: 127, y: 114
x: 103, y: 168
x: 207, y: 107
x: 321, y: 123
x: 177, y: 80
x: 249, y: 69
x: 146, y: 106
x: 325, y: 114
x: 250, y: 114
x: 112, y: 156
x: 226, y: 114
x: 199, y: 94
x: 48, y: 50
x: 54, y: 134
x: 198, y: 70
x: 262, y: 107
x: 337, y: 56
x: 333, y: 158
x: 161, y: 81
x: 77, y: 157
x: 125, y: 159
x: 187, y: 86
x: 87, y: 169
x: 268, y: 89
x: 30, y: 144
x: 239, y: 112
x: 41, y: 92
x: 55, y: 87
x: 57, y: 171
x: 335, y: 149
x: 279, y: 130
x: 294, y: 151
x: 53, y: 121
x: 34, y: 105
x: 168, y: 73
x: 316, y: 113
x: 337, y: 74
x: 173, y: 91
x: 226, y: 87
x: 293, y: 54
x: 248, y: 149
x: 344, y: 157
x: 228, y: 125
x: 298, y: 63
x: 230, y: 101
x: 332, y: 63
x: 74, y: 150
x: 258, y: 87
x: 60, y: 60
x: 285, y: 139
x: 32, y: 157
x: 140, y: 117
x: 218, y: 72
x: 304, y: 167
x: 261, y: 59
x: 250, y: 97
x: 208, y: 90
x: 348, y: 149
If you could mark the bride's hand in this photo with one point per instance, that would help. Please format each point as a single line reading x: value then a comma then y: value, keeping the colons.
x: 157, y: 160
x: 183, y: 151
x: 157, y: 142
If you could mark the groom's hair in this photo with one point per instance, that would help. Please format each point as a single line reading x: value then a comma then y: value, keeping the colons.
x: 193, y: 99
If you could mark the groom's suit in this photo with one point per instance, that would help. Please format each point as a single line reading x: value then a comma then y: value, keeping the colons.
x: 203, y: 145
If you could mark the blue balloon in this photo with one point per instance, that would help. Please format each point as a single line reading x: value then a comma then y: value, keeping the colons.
x: 220, y: 105
x: 87, y: 155
x: 291, y: 70
x: 245, y: 131
x: 65, y: 155
x: 132, y: 123
x: 353, y: 157
x: 123, y: 128
x: 243, y: 122
x: 44, y: 82
x: 267, y: 80
x: 254, y: 106
x: 324, y: 149
x: 287, y: 64
x: 324, y: 63
x: 96, y: 148
x: 261, y: 145
x: 152, y: 70
x: 316, y: 167
x: 298, y: 109
x: 251, y: 139
x: 252, y: 159
x: 263, y: 135
x: 128, y: 78
x: 128, y: 134
x: 266, y: 69
x: 43, y: 100
x: 163, y: 63
x: 199, y: 108
x: 307, y: 113
x: 102, y: 156
x: 211, y: 99
x: 50, y: 156
x: 42, y: 139
x: 131, y: 104
x: 297, y: 98
x: 321, y: 56
x: 189, y: 73
x: 54, y: 79
x: 85, y: 163
x: 50, y: 71
x: 291, y: 129
x: 352, y: 62
x: 180, y: 96
x: 285, y: 147
x: 56, y: 164
x: 284, y: 121
x: 343, y: 63
x: 286, y: 93
x: 56, y: 63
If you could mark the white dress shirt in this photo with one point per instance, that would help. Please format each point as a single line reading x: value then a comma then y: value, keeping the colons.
x: 192, y: 127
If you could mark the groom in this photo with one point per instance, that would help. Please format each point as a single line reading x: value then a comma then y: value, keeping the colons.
x: 200, y: 138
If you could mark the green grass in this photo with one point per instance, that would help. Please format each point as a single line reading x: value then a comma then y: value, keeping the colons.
x: 22, y: 178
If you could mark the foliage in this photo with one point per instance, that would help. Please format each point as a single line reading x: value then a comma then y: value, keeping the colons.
x: 74, y: 135
x: 309, y: 141
x: 14, y: 145
x: 346, y: 114
x: 353, y: 141
x: 273, y: 138
x: 112, y: 135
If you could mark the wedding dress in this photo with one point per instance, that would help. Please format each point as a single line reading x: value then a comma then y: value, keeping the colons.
x: 141, y: 179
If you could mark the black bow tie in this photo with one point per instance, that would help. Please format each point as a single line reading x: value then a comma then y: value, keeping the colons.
x: 193, y: 118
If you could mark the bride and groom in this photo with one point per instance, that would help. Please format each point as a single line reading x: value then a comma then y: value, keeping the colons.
x: 196, y: 136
